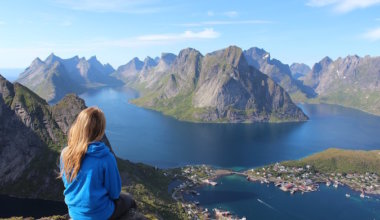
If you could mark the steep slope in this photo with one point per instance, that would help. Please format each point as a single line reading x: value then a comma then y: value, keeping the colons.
x: 32, y: 134
x: 352, y: 81
x: 220, y: 87
x: 55, y: 77
x: 299, y: 69
x: 279, y: 72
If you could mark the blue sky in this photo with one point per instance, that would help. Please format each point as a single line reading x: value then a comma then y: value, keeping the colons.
x: 118, y: 30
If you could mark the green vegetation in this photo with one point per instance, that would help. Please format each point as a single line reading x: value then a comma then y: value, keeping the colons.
x: 343, y: 161
x: 179, y: 107
x: 149, y: 187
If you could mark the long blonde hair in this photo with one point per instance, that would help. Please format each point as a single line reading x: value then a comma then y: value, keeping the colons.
x: 89, y: 126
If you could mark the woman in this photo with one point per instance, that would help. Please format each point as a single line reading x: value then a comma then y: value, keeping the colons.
x: 89, y: 171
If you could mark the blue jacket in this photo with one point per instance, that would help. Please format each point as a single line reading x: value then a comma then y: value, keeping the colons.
x: 90, y: 195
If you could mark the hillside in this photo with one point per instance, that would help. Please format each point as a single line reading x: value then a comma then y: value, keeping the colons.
x: 32, y: 134
x: 217, y: 87
x: 342, y: 161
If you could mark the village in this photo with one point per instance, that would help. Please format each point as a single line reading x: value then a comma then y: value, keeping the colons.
x: 290, y: 179
x: 307, y: 179
x: 193, y: 177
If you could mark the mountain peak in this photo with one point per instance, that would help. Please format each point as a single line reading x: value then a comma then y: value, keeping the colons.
x: 52, y: 58
x: 93, y: 59
x: 232, y: 55
x: 258, y: 52
x: 168, y: 58
x: 37, y: 61
x: 326, y: 60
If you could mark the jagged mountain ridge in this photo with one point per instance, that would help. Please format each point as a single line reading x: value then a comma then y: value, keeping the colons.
x: 279, y: 72
x: 55, y: 77
x: 218, y: 87
x: 32, y: 133
x: 352, y: 81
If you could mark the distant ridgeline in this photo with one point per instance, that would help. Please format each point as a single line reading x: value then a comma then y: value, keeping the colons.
x: 228, y: 85
x: 32, y: 134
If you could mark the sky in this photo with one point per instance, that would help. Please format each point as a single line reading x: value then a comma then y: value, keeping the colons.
x: 118, y: 30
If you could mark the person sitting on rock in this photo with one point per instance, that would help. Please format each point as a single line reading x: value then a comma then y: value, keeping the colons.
x: 89, y: 171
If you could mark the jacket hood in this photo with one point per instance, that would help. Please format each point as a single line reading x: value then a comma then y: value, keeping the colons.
x: 97, y: 149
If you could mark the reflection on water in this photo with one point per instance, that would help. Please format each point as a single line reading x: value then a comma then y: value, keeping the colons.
x: 147, y: 136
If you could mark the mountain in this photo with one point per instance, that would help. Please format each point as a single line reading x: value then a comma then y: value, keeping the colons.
x: 32, y: 133
x: 129, y: 72
x: 299, y: 69
x: 352, y: 81
x: 218, y: 87
x: 124, y: 72
x: 279, y: 72
x: 313, y: 78
x: 55, y: 77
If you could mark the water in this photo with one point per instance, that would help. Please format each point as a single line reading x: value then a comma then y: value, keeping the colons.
x: 260, y: 201
x: 142, y: 135
x: 147, y: 136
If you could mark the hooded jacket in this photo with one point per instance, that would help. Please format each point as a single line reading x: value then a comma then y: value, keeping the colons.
x: 90, y: 195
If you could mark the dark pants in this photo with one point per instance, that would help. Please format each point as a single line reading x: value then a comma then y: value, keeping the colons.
x: 122, y: 206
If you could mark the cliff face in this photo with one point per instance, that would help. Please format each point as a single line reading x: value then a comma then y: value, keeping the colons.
x: 218, y: 87
x: 30, y: 141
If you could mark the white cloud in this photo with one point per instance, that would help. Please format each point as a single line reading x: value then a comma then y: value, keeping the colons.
x: 373, y: 35
x: 207, y: 33
x: 231, y: 14
x: 124, y: 6
x: 210, y: 13
x: 160, y: 39
x: 222, y: 22
x: 343, y: 6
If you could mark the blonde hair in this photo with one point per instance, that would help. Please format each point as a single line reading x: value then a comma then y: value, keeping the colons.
x: 89, y: 126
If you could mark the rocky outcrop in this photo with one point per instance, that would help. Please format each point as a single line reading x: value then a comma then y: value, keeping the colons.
x: 65, y: 111
x: 219, y: 87
x: 28, y: 131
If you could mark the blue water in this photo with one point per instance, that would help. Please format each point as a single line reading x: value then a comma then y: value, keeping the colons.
x: 142, y: 135
x: 147, y: 136
x: 260, y: 201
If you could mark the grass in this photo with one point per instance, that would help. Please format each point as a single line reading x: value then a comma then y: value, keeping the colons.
x: 342, y: 161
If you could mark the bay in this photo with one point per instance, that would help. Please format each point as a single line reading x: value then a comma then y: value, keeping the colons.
x: 147, y: 136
